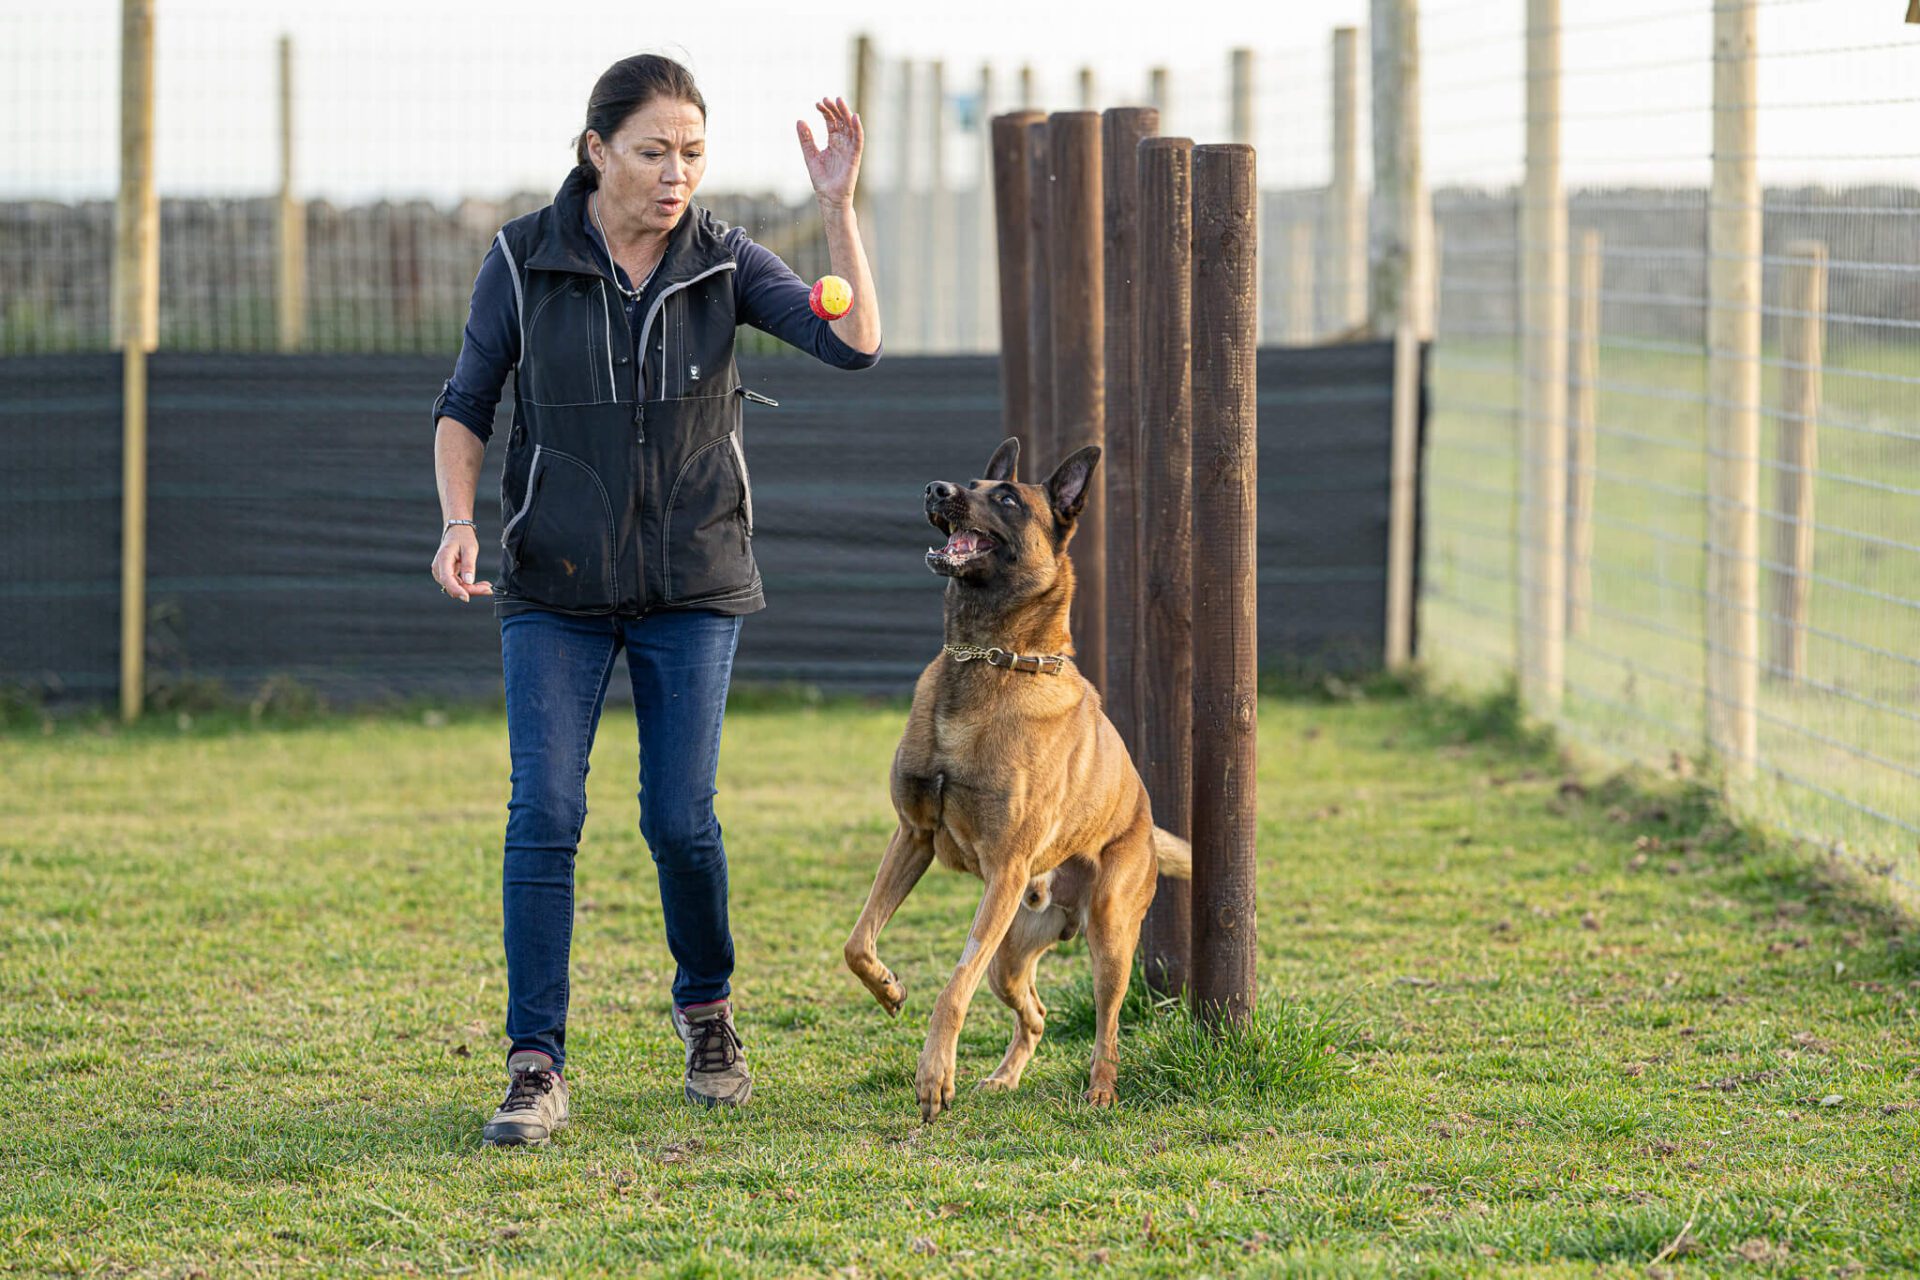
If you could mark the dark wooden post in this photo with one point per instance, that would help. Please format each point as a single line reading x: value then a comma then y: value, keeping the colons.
x: 1011, y: 218
x: 1121, y: 129
x: 1075, y: 256
x: 1225, y: 319
x: 1166, y: 518
x: 1039, y: 158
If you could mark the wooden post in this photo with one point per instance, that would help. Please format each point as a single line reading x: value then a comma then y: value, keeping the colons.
x: 1166, y: 435
x: 1014, y: 221
x: 1075, y: 257
x: 1403, y: 479
x: 985, y: 333
x: 1543, y: 380
x: 1027, y: 102
x: 1240, y: 76
x: 290, y: 291
x: 864, y: 77
x: 1121, y: 131
x: 906, y: 253
x: 1088, y: 91
x: 136, y: 320
x: 1225, y: 635
x: 1046, y: 454
x: 1157, y: 90
x: 1733, y: 395
x: 1346, y: 211
x: 1803, y: 322
x: 937, y: 299
x: 1583, y: 398
x: 1300, y: 282
x: 1399, y: 182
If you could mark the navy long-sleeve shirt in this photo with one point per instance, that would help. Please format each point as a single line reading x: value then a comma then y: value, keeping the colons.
x: 766, y: 294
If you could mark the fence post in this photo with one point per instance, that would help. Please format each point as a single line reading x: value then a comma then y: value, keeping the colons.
x: 1089, y: 91
x: 937, y: 301
x: 906, y: 259
x: 1013, y: 220
x: 1403, y: 478
x: 1040, y: 294
x: 1121, y: 130
x: 1543, y: 383
x: 863, y: 79
x: 1583, y: 398
x: 985, y: 333
x: 1079, y: 365
x: 1803, y: 299
x: 1166, y: 427
x: 1300, y: 282
x: 1026, y: 87
x: 1157, y: 90
x: 1395, y: 242
x: 1733, y: 395
x: 1225, y: 637
x: 290, y: 290
x: 1240, y: 77
x: 136, y: 319
x: 1346, y: 212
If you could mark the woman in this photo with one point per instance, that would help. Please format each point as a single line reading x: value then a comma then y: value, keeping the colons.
x: 627, y: 522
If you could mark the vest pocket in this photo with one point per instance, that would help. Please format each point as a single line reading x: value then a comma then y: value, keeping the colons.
x: 559, y: 544
x: 707, y: 524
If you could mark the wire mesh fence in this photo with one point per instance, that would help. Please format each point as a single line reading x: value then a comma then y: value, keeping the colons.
x: 1819, y: 601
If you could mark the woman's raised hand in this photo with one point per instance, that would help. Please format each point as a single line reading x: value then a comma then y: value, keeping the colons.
x: 835, y: 167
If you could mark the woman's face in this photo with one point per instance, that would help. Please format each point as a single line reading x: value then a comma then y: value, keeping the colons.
x: 651, y: 166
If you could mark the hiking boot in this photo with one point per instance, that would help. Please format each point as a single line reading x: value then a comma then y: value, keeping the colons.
x: 716, y: 1060
x: 535, y: 1105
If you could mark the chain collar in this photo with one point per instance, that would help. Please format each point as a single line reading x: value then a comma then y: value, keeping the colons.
x: 1051, y: 664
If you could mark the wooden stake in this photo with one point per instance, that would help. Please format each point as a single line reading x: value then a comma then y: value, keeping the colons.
x: 1300, y: 283
x: 1240, y: 77
x: 1166, y: 440
x: 1046, y: 452
x: 1396, y: 268
x: 1225, y: 635
x: 1075, y: 256
x: 1013, y: 218
x: 1543, y: 391
x: 1402, y: 485
x: 1733, y: 394
x: 1583, y: 398
x: 984, y: 333
x: 1803, y: 291
x: 938, y: 262
x: 137, y: 330
x: 1346, y: 210
x: 290, y: 290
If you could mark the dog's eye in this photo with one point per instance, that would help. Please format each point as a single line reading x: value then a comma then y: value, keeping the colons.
x: 1008, y: 500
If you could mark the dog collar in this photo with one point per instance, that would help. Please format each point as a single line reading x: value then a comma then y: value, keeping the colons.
x: 1051, y: 664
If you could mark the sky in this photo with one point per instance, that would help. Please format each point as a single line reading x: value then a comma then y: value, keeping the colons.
x: 425, y: 98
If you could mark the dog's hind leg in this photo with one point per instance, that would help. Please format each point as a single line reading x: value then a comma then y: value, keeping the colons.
x: 1120, y: 897
x: 908, y: 855
x: 1011, y: 977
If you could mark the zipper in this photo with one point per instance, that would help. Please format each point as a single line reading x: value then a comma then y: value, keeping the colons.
x: 756, y: 397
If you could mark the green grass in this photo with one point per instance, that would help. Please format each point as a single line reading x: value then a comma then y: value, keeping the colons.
x: 250, y: 996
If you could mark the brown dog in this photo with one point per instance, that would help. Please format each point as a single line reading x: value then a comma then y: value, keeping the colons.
x: 1010, y: 770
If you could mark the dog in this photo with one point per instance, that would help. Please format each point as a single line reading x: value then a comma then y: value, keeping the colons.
x: 1009, y: 770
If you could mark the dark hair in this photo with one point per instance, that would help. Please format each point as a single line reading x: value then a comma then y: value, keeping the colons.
x: 623, y: 89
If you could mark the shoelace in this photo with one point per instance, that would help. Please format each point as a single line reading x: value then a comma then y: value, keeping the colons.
x: 713, y: 1044
x: 526, y: 1088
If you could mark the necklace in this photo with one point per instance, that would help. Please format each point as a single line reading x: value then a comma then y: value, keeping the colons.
x: 631, y: 295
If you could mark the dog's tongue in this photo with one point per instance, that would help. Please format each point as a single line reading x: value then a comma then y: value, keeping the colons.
x: 963, y: 543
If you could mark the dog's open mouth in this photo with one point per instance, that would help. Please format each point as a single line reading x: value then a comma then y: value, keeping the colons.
x: 963, y: 548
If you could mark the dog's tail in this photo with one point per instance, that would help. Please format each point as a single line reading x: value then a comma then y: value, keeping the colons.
x: 1175, y: 855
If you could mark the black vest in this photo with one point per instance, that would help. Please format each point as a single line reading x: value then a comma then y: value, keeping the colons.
x: 610, y: 503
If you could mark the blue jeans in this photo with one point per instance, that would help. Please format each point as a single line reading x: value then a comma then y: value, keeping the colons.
x: 557, y: 667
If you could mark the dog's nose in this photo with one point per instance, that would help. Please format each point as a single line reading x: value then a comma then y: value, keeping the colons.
x: 941, y: 489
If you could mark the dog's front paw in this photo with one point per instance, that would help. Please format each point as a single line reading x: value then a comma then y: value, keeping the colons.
x: 1101, y: 1095
x: 891, y: 993
x: 933, y: 1083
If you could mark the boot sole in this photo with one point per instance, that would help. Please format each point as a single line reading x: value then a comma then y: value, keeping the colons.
x: 702, y: 1100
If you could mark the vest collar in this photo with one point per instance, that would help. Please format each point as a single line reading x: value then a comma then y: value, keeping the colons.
x: 693, y: 247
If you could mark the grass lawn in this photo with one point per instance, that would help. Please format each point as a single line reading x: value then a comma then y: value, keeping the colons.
x: 250, y: 995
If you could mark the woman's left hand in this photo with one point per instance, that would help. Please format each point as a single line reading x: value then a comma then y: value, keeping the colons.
x: 835, y: 167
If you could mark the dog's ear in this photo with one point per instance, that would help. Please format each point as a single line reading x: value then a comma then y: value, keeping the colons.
x: 1005, y: 461
x: 1067, y: 486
